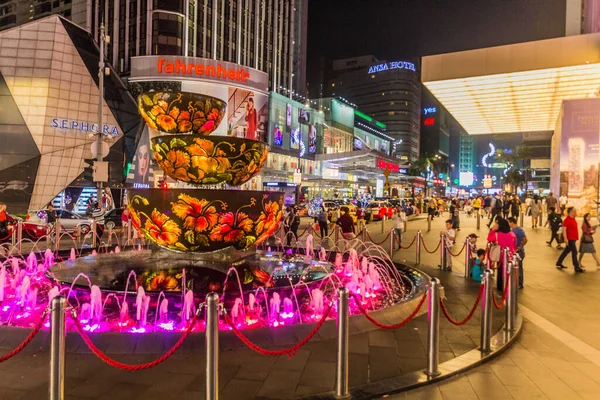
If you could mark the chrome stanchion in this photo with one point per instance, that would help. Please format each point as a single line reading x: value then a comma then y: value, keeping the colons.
x: 109, y: 231
x: 429, y: 223
x: 57, y: 349
x: 478, y: 220
x: 212, y: 346
x: 78, y: 238
x: 516, y: 263
x: 94, y: 233
x: 341, y: 382
x: 13, y: 237
x: 433, y: 328
x: 418, y: 248
x: 508, y: 307
x: 392, y: 234
x: 486, y: 312
x: 129, y: 231
x: 337, y: 235
x: 501, y: 271
x: 282, y: 235
x: 19, y: 235
x: 522, y: 216
x: 57, y: 229
x: 364, y: 234
x: 467, y: 258
x: 383, y: 224
x: 442, y: 251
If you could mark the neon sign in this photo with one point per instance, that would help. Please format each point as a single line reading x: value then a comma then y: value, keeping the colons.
x: 429, y: 121
x: 430, y: 110
x: 392, y: 65
x: 382, y: 164
x: 490, y: 154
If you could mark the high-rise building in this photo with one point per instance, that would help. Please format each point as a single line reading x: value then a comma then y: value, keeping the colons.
x: 269, y: 35
x: 388, y: 91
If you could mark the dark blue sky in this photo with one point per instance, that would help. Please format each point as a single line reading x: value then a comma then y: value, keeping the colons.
x: 400, y: 29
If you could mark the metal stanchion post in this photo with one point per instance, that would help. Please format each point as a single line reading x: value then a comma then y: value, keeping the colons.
x: 392, y: 234
x: 212, y: 346
x: 337, y: 235
x: 509, y: 324
x: 383, y: 224
x: 478, y: 219
x: 19, y: 235
x: 78, y: 234
x: 442, y: 251
x: 521, y: 221
x: 57, y: 229
x: 109, y: 232
x: 429, y: 223
x: 94, y: 234
x: 501, y: 277
x: 13, y: 237
x: 418, y: 248
x: 341, y: 382
x: 486, y: 312
x: 467, y: 258
x: 57, y: 350
x: 364, y: 234
x: 282, y: 234
x: 433, y: 328
x: 516, y: 263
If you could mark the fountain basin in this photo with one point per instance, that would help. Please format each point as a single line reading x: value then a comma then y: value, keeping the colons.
x: 205, y: 220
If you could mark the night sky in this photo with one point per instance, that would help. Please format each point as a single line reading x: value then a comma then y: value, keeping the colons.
x: 401, y: 29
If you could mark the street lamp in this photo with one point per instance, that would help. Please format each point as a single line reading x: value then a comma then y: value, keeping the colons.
x: 101, y: 167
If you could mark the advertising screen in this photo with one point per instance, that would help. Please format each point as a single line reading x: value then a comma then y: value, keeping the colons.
x: 296, y: 138
x: 312, y: 139
x: 277, y: 136
x: 466, y: 179
x: 303, y: 116
x: 288, y: 114
x: 358, y: 144
x: 141, y: 173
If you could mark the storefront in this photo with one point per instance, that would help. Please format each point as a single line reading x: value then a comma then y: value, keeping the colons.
x: 49, y: 118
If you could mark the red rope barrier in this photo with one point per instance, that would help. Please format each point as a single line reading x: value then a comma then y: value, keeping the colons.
x: 504, y: 295
x: 389, y: 327
x: 457, y: 254
x: 383, y: 241
x: 411, y: 243
x: 128, y: 367
x: 468, y: 317
x: 36, y: 329
x: 302, y: 234
x: 425, y: 247
x: 290, y: 351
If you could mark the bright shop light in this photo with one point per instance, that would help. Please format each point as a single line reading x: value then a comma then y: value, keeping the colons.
x: 517, y: 101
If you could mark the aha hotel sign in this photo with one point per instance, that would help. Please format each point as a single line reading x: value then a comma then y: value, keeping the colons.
x: 147, y: 68
x: 392, y: 65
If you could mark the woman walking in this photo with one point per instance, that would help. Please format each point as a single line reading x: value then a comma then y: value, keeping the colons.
x: 536, y: 206
x: 587, y: 240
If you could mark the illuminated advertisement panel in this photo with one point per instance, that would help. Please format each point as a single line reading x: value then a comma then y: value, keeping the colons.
x: 277, y: 135
x: 312, y: 139
x: 288, y: 114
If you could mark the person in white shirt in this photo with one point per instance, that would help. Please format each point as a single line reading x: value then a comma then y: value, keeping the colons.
x: 450, y: 236
x: 563, y: 200
x: 399, y: 219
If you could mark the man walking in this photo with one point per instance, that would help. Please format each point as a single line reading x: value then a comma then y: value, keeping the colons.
x: 551, y: 201
x: 497, y: 207
x: 521, y: 242
x: 571, y: 235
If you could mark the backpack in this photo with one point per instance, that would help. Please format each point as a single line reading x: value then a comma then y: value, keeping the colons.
x: 499, y: 204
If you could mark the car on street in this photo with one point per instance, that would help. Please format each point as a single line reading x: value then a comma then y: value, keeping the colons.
x: 377, y: 209
x: 31, y: 230
x: 112, y: 218
x: 69, y: 221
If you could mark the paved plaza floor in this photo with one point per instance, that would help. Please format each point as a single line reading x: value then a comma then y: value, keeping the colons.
x: 557, y: 356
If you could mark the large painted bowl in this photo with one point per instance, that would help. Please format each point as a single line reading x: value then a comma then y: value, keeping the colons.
x: 201, y: 220
x: 209, y: 159
x: 181, y: 112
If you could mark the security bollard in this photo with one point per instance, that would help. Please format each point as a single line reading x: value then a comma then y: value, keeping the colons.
x: 478, y: 220
x: 516, y: 265
x: 341, y: 382
x: 508, y: 308
x: 467, y: 258
x: 57, y: 349
x: 94, y: 234
x: 13, y: 238
x: 364, y: 234
x: 392, y: 237
x: 19, y: 235
x: 383, y: 224
x: 501, y: 271
x: 433, y: 328
x: 418, y: 248
x: 429, y: 223
x: 486, y: 312
x: 57, y: 229
x: 212, y: 346
x: 442, y: 251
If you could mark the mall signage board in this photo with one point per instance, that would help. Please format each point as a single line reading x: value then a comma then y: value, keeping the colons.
x: 383, y: 164
x: 196, y: 68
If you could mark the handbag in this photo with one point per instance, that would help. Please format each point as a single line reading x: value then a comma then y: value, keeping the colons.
x: 495, y: 251
x: 587, y: 238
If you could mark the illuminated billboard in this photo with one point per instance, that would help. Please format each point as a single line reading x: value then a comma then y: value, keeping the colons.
x: 466, y: 179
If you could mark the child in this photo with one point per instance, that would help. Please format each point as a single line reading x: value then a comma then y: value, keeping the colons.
x: 478, y: 266
x: 450, y: 235
x: 469, y: 210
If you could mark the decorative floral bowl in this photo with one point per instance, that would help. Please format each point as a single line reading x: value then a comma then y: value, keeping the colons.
x: 201, y: 220
x: 209, y: 159
x: 181, y: 112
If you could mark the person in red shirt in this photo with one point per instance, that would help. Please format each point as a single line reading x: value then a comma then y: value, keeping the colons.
x: 252, y: 120
x: 571, y: 235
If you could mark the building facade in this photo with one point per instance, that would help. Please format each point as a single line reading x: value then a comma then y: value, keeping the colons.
x: 387, y: 91
x: 268, y: 35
